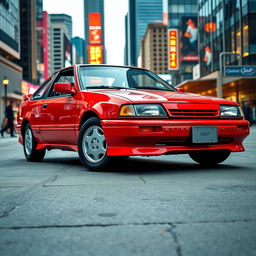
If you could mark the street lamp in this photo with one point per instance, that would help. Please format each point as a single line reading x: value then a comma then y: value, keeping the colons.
x: 220, y: 74
x: 5, y: 83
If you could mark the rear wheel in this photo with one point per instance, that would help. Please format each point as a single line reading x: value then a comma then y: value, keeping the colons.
x: 29, y: 146
x: 92, y: 146
x: 211, y: 157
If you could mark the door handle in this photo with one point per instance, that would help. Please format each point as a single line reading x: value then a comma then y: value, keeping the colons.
x: 45, y: 105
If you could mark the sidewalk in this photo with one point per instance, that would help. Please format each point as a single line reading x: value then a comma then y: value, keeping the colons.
x: 7, y: 138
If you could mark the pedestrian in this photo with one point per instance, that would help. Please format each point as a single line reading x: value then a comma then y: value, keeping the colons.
x: 247, y: 112
x: 9, y: 119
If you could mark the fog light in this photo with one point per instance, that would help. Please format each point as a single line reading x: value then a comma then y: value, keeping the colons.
x: 150, y: 128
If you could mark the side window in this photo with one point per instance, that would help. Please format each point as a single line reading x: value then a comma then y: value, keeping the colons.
x: 40, y: 92
x: 66, y: 76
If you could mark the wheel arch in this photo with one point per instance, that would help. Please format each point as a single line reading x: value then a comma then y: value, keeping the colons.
x: 23, y: 126
x: 88, y: 114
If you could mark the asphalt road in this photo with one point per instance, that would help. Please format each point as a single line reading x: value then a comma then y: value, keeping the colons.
x: 143, y: 206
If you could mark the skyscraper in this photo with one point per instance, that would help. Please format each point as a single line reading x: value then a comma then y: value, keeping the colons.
x: 28, y: 40
x: 154, y: 49
x: 43, y: 59
x: 94, y: 31
x: 140, y: 14
x: 64, y: 19
x: 60, y: 46
x: 226, y: 38
x: 10, y: 51
x: 227, y: 26
x: 78, y: 43
x: 182, y: 15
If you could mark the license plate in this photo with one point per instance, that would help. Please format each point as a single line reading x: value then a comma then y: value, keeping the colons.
x: 204, y: 134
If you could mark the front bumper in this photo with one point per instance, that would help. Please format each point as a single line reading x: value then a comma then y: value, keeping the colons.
x: 157, y: 137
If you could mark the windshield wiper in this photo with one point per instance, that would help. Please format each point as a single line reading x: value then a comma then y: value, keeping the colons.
x: 105, y: 87
x: 154, y: 88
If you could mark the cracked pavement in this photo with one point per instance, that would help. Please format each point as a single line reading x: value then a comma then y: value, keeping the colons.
x: 164, y: 205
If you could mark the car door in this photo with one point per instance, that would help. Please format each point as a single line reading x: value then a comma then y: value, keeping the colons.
x: 35, y: 110
x: 60, y: 113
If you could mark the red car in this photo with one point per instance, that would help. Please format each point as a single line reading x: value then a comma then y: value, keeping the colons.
x: 104, y: 111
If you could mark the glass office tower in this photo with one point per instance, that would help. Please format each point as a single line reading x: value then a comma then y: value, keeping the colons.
x: 181, y: 15
x: 94, y: 27
x: 226, y: 26
x: 140, y: 14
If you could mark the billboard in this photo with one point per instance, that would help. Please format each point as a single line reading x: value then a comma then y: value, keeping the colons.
x: 189, y: 39
x: 173, y: 50
x: 28, y: 88
x: 67, y: 52
x: 95, y: 36
x: 45, y: 45
x: 95, y: 53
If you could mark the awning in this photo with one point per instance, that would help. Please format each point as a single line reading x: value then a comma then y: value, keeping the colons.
x: 240, y: 89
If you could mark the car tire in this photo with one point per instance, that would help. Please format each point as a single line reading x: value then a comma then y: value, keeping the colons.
x: 29, y: 146
x: 210, y: 158
x: 92, y: 146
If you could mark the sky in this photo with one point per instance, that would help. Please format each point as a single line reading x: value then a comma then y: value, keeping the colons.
x: 115, y: 11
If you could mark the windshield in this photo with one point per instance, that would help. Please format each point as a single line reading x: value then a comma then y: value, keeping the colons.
x: 120, y: 78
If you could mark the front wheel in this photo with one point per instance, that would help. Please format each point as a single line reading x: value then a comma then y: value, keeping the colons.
x: 210, y: 158
x: 29, y: 146
x: 92, y: 146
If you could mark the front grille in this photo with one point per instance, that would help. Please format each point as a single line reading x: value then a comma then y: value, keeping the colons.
x: 193, y: 113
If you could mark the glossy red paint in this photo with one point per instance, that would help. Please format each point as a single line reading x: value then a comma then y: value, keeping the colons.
x: 57, y: 120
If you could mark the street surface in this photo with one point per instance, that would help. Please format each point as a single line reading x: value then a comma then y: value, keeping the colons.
x: 165, y: 205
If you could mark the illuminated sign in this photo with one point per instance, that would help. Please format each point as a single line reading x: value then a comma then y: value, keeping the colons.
x: 189, y: 39
x: 173, y: 51
x: 95, y: 54
x: 210, y: 27
x: 95, y: 28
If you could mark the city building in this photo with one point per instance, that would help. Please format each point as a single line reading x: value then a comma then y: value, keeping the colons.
x: 39, y: 9
x: 94, y: 31
x: 79, y: 45
x: 140, y: 14
x: 10, y: 71
x: 28, y: 40
x: 126, y: 40
x: 43, y: 60
x: 154, y: 49
x: 226, y: 37
x: 181, y: 18
x: 60, y: 45
x: 64, y: 19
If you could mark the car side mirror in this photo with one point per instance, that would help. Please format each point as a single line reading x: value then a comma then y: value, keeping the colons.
x: 180, y: 89
x: 26, y: 96
x: 66, y: 88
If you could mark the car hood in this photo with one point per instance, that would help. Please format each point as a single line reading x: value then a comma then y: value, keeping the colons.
x: 146, y: 96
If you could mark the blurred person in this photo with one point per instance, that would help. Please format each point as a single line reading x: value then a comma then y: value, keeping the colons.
x: 247, y: 109
x: 253, y: 112
x: 208, y: 56
x: 9, y: 119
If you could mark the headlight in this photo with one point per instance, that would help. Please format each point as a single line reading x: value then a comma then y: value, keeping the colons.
x: 142, y: 110
x: 230, y: 111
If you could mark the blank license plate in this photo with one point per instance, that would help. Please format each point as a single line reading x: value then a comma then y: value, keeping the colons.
x: 203, y: 134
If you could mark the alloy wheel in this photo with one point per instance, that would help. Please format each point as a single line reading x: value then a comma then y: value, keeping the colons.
x: 94, y: 144
x: 28, y: 141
